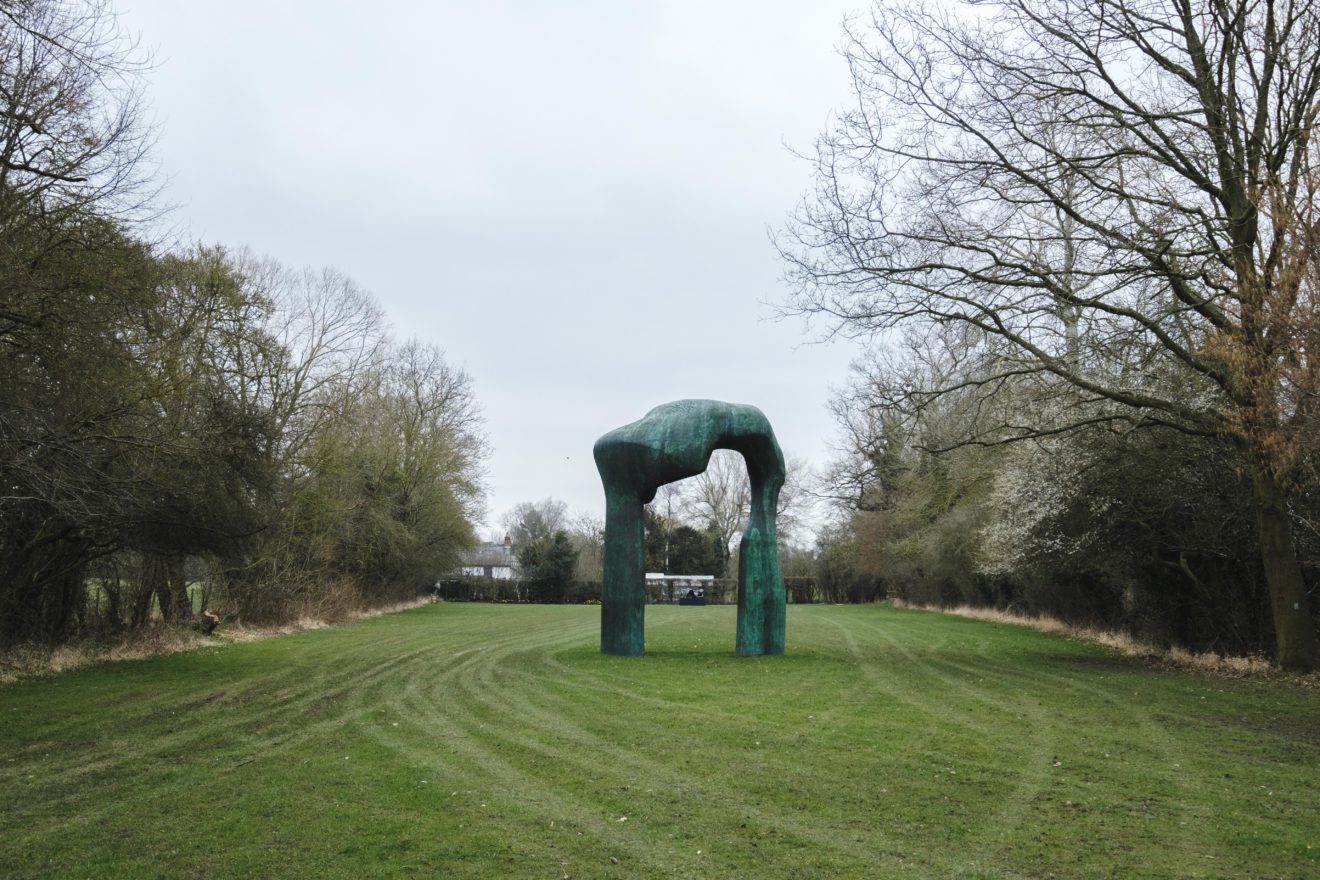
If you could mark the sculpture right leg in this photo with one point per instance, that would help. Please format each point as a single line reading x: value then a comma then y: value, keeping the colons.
x: 760, y: 594
x: 761, y: 611
x: 623, y: 588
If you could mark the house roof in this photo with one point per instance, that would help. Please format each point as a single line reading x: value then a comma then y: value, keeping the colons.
x: 489, y: 554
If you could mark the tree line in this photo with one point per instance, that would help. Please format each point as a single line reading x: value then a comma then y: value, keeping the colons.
x: 1083, y: 241
x: 188, y: 417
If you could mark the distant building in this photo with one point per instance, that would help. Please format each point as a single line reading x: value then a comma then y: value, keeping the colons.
x: 491, y: 561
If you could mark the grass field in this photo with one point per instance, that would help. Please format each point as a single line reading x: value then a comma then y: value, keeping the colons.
x: 495, y: 741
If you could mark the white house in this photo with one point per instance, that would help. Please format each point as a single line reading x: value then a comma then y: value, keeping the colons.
x: 491, y: 560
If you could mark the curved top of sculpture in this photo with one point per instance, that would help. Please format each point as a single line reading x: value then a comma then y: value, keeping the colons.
x: 675, y: 441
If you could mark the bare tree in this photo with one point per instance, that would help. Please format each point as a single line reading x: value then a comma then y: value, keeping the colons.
x: 72, y: 135
x: 331, y: 335
x: 1116, y: 196
x: 663, y: 513
x: 380, y: 496
x: 530, y: 521
x: 587, y: 532
x: 719, y: 499
x: 797, y: 501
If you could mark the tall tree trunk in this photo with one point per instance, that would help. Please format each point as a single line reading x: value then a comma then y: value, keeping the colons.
x: 114, y: 614
x: 177, y: 577
x: 155, y: 577
x: 1296, y: 645
x: 165, y: 576
x: 64, y: 597
x: 140, y: 607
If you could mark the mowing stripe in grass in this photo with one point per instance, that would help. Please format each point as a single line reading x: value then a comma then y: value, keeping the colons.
x: 492, y: 741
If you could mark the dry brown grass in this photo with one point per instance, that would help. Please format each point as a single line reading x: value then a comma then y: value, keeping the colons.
x: 310, y: 621
x: 33, y: 661
x: 1124, y: 643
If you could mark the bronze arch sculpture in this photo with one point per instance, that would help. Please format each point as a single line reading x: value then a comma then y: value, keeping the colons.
x: 671, y: 442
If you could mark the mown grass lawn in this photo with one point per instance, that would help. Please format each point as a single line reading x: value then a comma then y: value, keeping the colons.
x: 495, y: 741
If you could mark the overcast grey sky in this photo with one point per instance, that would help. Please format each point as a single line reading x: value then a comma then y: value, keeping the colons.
x: 570, y: 198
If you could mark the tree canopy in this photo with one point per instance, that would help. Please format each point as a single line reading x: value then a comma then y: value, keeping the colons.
x: 170, y: 416
x: 1109, y: 207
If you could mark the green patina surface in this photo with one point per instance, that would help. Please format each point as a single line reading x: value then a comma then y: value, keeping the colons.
x: 672, y: 442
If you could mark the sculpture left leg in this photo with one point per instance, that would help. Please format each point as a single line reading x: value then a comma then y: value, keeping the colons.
x: 623, y: 587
